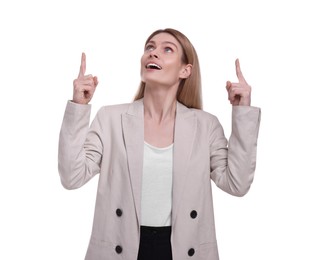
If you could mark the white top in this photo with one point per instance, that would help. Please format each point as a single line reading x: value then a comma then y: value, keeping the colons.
x: 157, y: 186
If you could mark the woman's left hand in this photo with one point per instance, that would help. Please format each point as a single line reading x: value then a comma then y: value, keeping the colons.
x: 239, y: 93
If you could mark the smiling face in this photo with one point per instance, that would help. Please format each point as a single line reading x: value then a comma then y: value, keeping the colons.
x: 161, y: 63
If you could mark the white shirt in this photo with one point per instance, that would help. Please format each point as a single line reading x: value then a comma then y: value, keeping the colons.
x: 157, y: 186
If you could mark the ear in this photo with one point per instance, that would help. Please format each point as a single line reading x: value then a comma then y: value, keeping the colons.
x: 186, y: 71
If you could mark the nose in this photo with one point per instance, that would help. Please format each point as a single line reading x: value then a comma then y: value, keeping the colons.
x: 153, y: 54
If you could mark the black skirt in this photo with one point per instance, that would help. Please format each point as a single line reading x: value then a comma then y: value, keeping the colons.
x: 155, y: 243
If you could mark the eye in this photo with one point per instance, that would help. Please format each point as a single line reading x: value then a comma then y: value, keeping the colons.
x: 149, y: 47
x: 168, y: 49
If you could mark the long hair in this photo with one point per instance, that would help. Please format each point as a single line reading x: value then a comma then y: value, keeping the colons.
x: 189, y: 91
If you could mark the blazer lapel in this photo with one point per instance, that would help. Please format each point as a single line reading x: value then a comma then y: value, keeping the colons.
x: 184, y: 136
x: 133, y: 130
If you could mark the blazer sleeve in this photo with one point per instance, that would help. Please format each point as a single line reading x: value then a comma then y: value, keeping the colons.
x: 80, y: 146
x: 233, y: 163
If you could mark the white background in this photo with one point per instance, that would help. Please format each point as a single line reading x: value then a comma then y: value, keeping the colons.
x: 40, y: 50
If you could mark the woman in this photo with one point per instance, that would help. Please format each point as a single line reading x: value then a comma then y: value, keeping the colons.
x: 157, y: 156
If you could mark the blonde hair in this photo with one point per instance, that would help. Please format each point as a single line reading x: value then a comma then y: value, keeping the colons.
x: 189, y: 92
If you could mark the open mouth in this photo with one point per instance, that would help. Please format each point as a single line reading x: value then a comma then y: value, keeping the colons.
x: 153, y: 66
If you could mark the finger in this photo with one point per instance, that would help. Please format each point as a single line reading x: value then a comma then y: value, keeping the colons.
x: 244, y: 87
x: 236, y: 85
x: 90, y: 76
x: 84, y: 79
x: 96, y: 81
x: 85, y: 89
x: 228, y: 85
x: 241, y: 93
x: 234, y: 92
x: 239, y: 74
x: 234, y: 98
x: 83, y: 65
x: 82, y: 86
x: 87, y: 82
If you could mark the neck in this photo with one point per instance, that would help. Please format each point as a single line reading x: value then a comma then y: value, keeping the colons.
x: 159, y: 104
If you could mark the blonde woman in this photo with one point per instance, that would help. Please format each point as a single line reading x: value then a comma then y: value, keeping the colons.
x: 156, y: 157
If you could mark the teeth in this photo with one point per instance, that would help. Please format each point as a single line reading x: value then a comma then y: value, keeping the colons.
x: 153, y: 65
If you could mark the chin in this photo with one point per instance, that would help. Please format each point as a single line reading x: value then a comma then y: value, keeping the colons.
x: 152, y: 80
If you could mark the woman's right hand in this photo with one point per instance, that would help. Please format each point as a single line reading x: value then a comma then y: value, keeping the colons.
x: 85, y: 85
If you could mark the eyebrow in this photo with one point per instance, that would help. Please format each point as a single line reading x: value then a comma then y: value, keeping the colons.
x: 165, y: 42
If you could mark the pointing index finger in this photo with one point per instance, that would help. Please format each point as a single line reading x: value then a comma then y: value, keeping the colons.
x: 239, y: 74
x: 83, y: 65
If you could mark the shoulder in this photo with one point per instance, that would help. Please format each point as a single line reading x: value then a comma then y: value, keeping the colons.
x: 205, y: 121
x: 116, y: 108
x: 203, y: 115
x: 184, y: 111
x: 134, y: 108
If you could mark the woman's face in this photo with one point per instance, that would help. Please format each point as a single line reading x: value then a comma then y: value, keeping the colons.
x: 161, y: 63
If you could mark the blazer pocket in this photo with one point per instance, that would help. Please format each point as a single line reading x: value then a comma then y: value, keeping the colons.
x: 208, y: 251
x: 99, y: 242
x: 98, y: 249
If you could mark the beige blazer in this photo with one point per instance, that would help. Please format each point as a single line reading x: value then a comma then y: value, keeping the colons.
x: 113, y: 147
